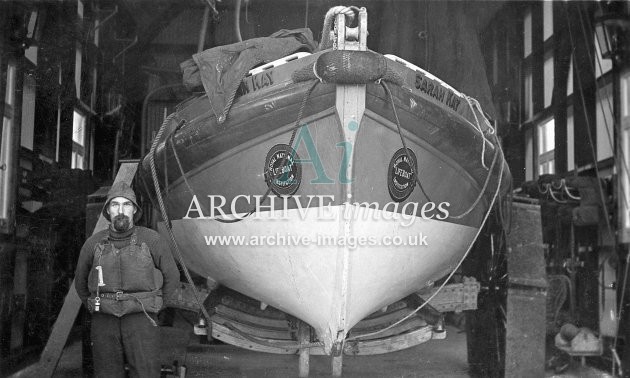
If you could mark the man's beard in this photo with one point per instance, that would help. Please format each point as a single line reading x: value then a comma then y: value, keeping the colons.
x: 121, y: 223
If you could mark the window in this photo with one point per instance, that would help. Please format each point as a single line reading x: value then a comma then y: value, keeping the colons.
x: 495, y: 62
x: 601, y: 65
x: 570, y: 78
x: 625, y: 98
x: 78, y: 54
x: 529, y: 156
x: 548, y: 72
x: 625, y: 146
x: 78, y: 141
x: 31, y: 52
x: 570, y: 139
x: 546, y: 145
x: 527, y: 34
x: 7, y: 119
x: 527, y: 96
x: 28, y: 112
x: 605, y: 124
x: 6, y: 140
x: 547, y: 19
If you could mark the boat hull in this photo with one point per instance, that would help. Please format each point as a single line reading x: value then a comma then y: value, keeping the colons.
x: 351, y: 181
x: 386, y: 261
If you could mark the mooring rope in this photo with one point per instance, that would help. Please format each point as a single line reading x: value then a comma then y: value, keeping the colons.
x: 402, y: 139
x: 329, y: 18
x: 488, y: 177
x: 295, y: 128
x: 167, y: 222
x: 496, y: 193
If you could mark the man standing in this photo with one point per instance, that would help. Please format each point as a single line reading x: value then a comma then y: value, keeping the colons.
x: 122, y: 275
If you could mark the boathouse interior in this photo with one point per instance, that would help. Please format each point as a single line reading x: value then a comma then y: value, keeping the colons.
x: 85, y: 86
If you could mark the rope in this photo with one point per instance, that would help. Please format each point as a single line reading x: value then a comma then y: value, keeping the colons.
x: 496, y: 193
x: 402, y: 139
x: 472, y: 103
x: 179, y: 165
x: 237, y: 21
x: 483, y: 189
x: 167, y: 222
x: 554, y: 196
x: 568, y: 193
x: 487, y: 180
x: 349, y: 12
x: 284, y: 160
x: 266, y: 195
x: 153, y: 323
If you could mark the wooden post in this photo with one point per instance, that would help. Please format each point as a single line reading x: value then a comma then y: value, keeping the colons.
x: 527, y: 295
x: 304, y: 337
x: 337, y: 365
x: 19, y: 299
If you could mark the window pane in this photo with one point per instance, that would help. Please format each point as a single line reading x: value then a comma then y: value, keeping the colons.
x: 28, y: 112
x: 527, y: 34
x: 546, y: 137
x: 76, y: 160
x: 78, y: 128
x: 529, y: 155
x: 528, y: 107
x: 570, y: 140
x: 604, y: 123
x: 601, y: 65
x: 570, y: 78
x: 547, y: 19
x: 548, y: 71
x: 546, y: 168
x: 625, y: 95
x: 625, y: 179
x: 495, y: 63
x: 9, y: 96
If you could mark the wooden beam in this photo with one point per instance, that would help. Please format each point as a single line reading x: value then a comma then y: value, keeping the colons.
x: 390, y: 344
x: 561, y: 64
x: 159, y: 23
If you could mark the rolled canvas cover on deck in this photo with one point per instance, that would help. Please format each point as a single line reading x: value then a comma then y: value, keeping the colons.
x: 221, y: 69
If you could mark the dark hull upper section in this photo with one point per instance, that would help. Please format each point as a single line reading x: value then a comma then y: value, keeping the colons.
x: 228, y: 159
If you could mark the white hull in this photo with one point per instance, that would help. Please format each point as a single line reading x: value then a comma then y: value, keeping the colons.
x: 330, y: 287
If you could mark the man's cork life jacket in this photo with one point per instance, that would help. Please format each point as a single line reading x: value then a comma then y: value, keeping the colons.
x: 130, y: 282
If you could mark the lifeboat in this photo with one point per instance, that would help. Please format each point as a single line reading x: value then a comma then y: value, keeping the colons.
x: 327, y: 184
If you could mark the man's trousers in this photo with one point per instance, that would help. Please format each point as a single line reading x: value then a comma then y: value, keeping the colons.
x: 132, y: 339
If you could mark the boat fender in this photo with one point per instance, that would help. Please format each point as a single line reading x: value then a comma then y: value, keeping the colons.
x: 349, y: 67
